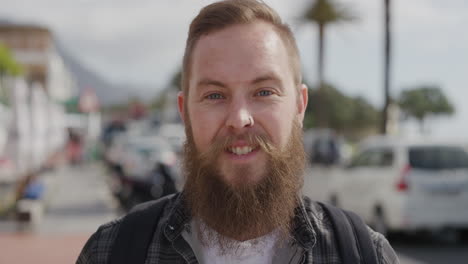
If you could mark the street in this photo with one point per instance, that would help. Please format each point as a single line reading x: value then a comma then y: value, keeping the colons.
x: 82, y: 202
x: 79, y: 204
x: 417, y: 251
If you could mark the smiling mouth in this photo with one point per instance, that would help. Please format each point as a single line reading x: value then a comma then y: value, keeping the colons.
x: 241, y: 150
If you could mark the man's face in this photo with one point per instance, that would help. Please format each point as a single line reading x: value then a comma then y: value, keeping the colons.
x: 241, y: 84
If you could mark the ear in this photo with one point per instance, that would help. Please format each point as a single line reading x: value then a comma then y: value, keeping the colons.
x: 180, y: 104
x: 302, y: 102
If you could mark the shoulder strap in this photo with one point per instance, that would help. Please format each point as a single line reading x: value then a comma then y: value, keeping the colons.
x: 366, y: 246
x: 136, y: 231
x: 348, y: 227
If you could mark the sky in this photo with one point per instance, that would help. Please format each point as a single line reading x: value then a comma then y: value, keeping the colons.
x: 143, y: 41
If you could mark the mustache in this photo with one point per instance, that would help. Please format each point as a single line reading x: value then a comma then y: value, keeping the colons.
x: 221, y: 144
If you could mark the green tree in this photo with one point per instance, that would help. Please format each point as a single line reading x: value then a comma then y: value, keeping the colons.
x: 8, y: 67
x: 365, y: 115
x: 158, y: 102
x: 324, y: 13
x: 423, y: 101
x: 347, y: 115
x: 176, y: 81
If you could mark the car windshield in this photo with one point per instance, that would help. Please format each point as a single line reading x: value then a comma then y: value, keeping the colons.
x: 438, y: 157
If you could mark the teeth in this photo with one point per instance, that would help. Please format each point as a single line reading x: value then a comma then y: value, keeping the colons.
x: 241, y: 150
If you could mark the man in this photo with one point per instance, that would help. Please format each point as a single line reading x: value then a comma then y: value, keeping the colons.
x: 243, y: 104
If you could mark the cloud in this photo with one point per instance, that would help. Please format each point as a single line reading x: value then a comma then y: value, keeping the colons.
x: 143, y: 41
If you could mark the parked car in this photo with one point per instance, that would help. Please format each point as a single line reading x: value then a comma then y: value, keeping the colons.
x: 110, y: 130
x: 143, y: 168
x: 400, y: 185
x: 174, y: 133
x: 325, y: 147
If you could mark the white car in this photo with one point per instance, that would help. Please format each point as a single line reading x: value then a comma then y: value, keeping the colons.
x: 397, y: 185
x: 143, y: 153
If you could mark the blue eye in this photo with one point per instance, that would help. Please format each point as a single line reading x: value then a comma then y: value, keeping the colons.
x: 214, y: 96
x: 264, y: 93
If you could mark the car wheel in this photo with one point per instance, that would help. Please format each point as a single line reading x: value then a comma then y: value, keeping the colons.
x: 379, y: 224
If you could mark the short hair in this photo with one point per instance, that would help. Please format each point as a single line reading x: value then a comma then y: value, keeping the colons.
x: 220, y: 15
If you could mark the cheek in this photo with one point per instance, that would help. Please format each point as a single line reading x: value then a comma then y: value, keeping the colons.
x: 286, y: 129
x: 278, y: 127
x: 204, y: 125
x: 278, y: 123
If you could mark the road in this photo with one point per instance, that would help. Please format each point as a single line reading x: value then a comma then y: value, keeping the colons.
x: 434, y: 251
x: 79, y: 203
x: 82, y: 202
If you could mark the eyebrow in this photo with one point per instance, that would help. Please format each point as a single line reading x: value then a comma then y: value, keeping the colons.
x: 266, y: 77
x: 210, y: 82
x: 262, y: 78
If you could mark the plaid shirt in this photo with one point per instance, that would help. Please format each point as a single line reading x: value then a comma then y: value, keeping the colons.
x: 168, y: 245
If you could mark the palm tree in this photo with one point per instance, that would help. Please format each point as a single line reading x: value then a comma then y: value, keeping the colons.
x: 387, y: 62
x: 324, y: 13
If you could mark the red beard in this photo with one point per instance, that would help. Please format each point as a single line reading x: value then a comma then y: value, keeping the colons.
x: 243, y: 211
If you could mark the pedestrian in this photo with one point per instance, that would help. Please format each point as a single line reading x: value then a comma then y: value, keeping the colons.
x: 243, y: 104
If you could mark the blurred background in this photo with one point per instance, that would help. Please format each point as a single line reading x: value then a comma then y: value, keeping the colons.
x: 89, y: 124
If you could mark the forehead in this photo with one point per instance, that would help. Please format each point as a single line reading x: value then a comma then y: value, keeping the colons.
x: 240, y: 53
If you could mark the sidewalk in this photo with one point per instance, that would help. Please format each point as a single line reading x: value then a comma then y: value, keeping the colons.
x: 31, y: 248
x: 80, y: 204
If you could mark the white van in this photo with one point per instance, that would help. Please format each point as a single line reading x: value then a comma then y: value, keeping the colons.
x: 398, y: 185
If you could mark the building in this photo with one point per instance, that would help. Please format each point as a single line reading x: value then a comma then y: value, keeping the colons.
x: 37, y: 128
x: 34, y: 48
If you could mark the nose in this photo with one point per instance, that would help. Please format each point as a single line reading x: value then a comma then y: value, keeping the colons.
x: 239, y: 117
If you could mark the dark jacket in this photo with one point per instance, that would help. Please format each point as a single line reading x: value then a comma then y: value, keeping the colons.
x: 312, y: 245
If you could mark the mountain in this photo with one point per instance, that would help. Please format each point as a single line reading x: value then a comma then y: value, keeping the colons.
x: 107, y: 92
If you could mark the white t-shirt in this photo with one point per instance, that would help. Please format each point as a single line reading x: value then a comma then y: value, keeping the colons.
x: 256, y: 251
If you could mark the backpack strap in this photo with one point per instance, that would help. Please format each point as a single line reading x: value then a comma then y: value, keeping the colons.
x: 366, y: 246
x: 136, y: 232
x: 353, y: 238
